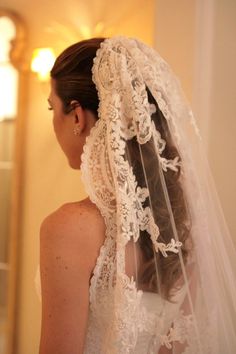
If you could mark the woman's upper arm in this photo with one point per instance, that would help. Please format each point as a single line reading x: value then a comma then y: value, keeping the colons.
x: 67, y: 258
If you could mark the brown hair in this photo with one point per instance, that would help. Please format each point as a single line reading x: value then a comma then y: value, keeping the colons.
x: 168, y: 268
x: 73, y: 77
x: 73, y: 81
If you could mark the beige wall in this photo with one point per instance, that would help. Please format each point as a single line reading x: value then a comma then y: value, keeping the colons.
x: 222, y: 127
x: 174, y: 38
x: 48, y: 181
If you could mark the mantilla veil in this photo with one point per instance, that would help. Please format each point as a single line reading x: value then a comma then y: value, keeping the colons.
x: 164, y: 281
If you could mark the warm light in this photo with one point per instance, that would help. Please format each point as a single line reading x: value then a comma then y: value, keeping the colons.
x: 88, y: 31
x: 8, y: 74
x: 85, y: 31
x: 42, y: 62
x: 8, y: 91
x: 99, y: 28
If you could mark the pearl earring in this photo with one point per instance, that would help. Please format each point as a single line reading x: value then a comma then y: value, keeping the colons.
x: 76, y: 129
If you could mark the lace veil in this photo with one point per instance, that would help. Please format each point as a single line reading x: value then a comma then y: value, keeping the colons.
x: 165, y: 277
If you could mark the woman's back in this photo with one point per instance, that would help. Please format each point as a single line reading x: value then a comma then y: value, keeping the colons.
x: 70, y: 239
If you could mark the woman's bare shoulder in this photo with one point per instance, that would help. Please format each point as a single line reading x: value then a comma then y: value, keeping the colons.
x: 70, y: 239
x: 76, y: 227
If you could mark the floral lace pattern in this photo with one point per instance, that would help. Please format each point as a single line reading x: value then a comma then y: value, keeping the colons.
x: 117, y: 314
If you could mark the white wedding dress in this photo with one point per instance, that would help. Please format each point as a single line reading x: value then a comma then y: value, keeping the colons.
x: 153, y: 308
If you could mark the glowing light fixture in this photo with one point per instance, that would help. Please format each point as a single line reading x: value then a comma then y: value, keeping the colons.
x: 42, y: 62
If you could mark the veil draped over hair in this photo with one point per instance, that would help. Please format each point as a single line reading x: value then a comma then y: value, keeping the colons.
x: 165, y: 276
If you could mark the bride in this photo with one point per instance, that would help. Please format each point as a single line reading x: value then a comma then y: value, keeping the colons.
x: 145, y: 264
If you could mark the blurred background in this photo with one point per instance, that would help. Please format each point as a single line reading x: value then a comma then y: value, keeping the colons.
x: 197, y: 39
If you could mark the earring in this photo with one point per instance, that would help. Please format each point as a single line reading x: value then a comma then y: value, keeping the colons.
x: 76, y: 129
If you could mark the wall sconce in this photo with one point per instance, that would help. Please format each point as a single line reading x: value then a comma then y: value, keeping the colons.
x: 42, y: 62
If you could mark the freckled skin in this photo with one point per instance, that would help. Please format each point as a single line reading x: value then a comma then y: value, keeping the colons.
x: 69, y: 246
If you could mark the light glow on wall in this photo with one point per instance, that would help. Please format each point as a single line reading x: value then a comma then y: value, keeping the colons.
x: 8, y: 74
x: 8, y: 91
x: 42, y: 62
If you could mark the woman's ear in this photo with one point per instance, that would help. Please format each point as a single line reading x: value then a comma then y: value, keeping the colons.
x: 79, y: 114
